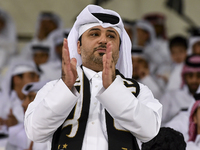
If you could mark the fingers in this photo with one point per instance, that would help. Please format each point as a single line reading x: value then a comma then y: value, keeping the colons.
x: 108, y: 67
x: 108, y: 61
x: 65, y: 53
x: 73, y: 62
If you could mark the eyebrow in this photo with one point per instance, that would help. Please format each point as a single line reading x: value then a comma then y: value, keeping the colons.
x: 97, y: 29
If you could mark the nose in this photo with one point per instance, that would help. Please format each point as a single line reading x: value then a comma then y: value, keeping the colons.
x: 103, y: 39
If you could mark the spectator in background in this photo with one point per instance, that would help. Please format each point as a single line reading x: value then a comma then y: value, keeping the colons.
x: 18, y: 139
x: 194, y: 45
x: 166, y: 139
x: 44, y: 56
x: 19, y: 74
x: 178, y: 46
x: 46, y: 23
x: 141, y: 71
x: 11, y: 111
x: 181, y: 121
x: 56, y: 38
x: 179, y: 100
x: 194, y: 125
x: 144, y: 36
x: 158, y: 20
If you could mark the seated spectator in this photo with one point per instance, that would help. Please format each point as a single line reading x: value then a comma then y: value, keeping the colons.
x: 194, y: 125
x: 194, y: 45
x: 178, y: 49
x: 56, y: 37
x: 46, y: 23
x: 176, y: 100
x: 44, y: 57
x: 141, y: 71
x: 18, y: 139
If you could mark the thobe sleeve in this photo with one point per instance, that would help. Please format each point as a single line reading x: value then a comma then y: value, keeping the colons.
x: 140, y: 115
x: 47, y: 112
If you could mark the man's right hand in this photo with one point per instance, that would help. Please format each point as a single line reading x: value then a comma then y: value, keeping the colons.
x: 69, y: 73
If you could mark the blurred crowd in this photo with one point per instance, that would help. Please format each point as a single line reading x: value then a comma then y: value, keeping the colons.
x: 168, y: 66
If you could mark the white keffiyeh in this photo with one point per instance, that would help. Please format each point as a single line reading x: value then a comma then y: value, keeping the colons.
x: 124, y: 64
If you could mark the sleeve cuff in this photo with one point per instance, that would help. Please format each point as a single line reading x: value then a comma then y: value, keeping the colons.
x: 60, y: 98
x: 116, y: 98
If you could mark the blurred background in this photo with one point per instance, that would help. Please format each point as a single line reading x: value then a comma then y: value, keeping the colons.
x: 165, y: 36
x: 180, y: 14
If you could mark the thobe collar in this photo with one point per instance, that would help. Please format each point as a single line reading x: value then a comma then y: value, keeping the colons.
x: 90, y: 73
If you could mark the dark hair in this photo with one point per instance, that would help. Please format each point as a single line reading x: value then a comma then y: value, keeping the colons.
x: 167, y: 139
x: 178, y: 40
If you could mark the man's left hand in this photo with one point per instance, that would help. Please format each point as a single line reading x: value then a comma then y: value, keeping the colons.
x: 108, y: 74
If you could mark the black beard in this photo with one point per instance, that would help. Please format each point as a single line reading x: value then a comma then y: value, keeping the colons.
x: 101, y: 54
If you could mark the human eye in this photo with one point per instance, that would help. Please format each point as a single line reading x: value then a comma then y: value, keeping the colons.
x: 93, y: 34
x: 111, y: 36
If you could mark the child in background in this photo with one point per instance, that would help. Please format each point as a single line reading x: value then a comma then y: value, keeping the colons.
x: 18, y: 139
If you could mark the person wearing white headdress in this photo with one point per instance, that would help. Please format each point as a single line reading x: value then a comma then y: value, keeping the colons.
x: 158, y: 60
x: 94, y: 106
x: 194, y: 45
x: 178, y: 100
x: 45, y: 58
x: 16, y: 77
x: 47, y: 22
x: 18, y: 139
x: 56, y: 37
x: 141, y: 71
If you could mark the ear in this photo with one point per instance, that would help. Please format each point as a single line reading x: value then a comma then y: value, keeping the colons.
x: 195, y: 118
x: 79, y: 48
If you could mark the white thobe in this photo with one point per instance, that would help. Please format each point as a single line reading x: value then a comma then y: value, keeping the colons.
x: 194, y: 145
x: 180, y: 123
x: 152, y: 85
x: 174, y: 101
x: 15, y: 104
x: 131, y: 113
x: 175, y: 78
x: 18, y: 140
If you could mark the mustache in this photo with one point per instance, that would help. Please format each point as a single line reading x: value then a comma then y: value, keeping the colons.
x: 100, y: 46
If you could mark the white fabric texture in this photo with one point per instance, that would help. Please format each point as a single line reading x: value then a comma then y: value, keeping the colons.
x: 174, y: 101
x: 124, y: 64
x: 6, y: 83
x: 18, y: 140
x: 194, y: 145
x: 175, y: 78
x: 152, y: 85
x: 130, y: 113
